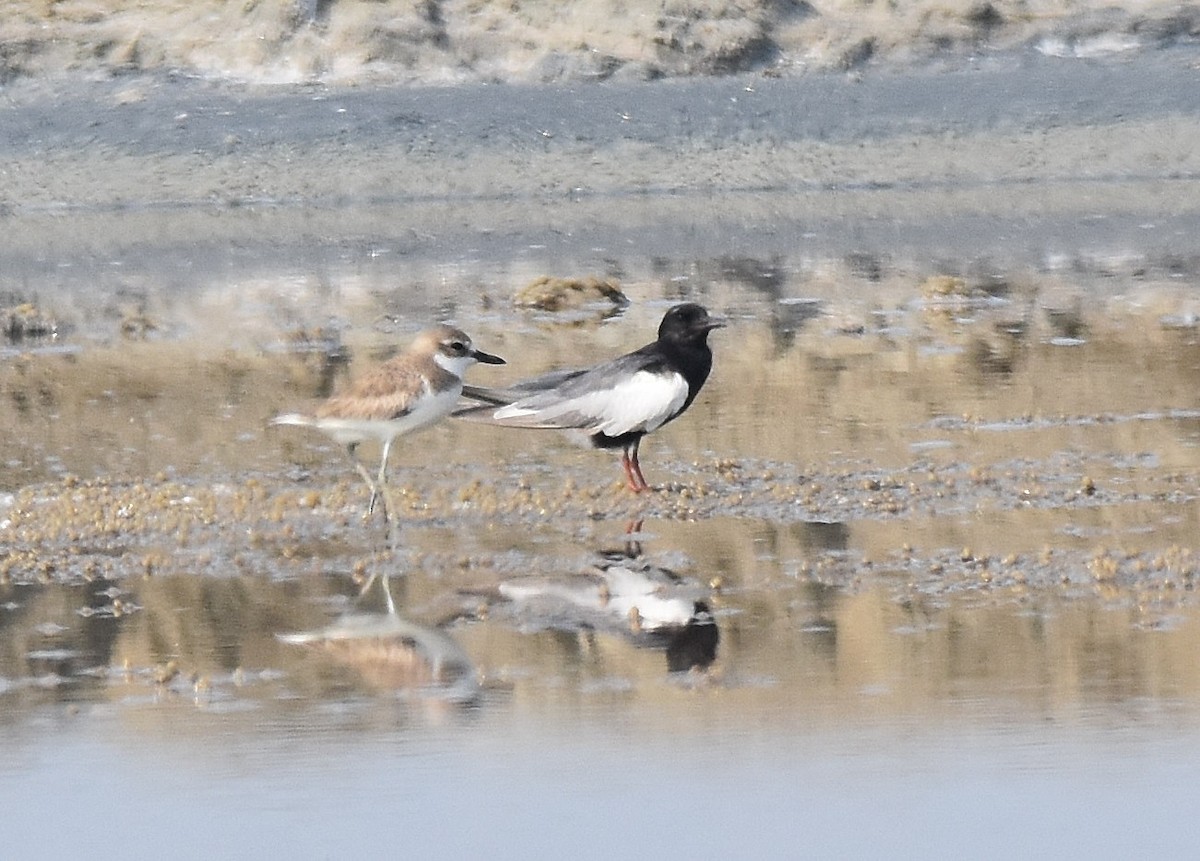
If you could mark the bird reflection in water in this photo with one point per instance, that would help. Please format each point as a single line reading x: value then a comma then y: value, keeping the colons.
x: 622, y: 593
x: 694, y: 646
x: 391, y: 652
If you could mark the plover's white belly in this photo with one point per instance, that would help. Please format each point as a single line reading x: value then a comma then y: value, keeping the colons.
x: 432, y: 407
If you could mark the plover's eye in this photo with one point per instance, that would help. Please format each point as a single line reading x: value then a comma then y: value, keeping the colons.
x: 458, y: 346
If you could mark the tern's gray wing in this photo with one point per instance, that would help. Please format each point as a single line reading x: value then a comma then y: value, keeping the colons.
x: 497, y: 396
x: 633, y: 393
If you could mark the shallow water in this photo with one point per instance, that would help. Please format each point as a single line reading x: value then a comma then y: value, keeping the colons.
x: 939, y: 496
x: 1019, y: 726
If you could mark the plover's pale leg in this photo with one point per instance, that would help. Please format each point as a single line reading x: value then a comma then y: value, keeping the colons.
x: 381, y: 480
x: 366, y: 476
x: 381, y: 485
x: 387, y: 594
x: 385, y: 585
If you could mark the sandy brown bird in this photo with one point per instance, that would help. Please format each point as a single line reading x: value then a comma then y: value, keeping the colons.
x: 403, y: 395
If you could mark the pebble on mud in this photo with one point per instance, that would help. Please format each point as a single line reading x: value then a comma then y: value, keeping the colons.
x: 166, y: 673
x: 27, y: 320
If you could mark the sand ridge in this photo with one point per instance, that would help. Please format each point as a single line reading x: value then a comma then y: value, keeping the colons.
x: 460, y: 41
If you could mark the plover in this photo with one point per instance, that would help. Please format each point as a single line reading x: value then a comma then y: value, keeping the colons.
x: 618, y: 402
x: 403, y: 395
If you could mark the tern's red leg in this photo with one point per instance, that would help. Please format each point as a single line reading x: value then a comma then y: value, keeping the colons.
x: 633, y: 547
x: 630, y: 478
x: 633, y: 469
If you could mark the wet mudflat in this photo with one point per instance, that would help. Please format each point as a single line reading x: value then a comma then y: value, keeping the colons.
x: 938, y: 503
x: 950, y: 564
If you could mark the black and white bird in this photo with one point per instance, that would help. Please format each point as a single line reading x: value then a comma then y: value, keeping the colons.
x: 615, y: 403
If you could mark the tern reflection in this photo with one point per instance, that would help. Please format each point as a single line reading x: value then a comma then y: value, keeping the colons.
x: 621, y: 593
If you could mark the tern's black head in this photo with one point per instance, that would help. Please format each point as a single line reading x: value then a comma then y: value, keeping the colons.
x: 687, y: 323
x: 694, y: 645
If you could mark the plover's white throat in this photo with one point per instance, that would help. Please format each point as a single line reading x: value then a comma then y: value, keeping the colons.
x: 403, y: 395
x: 618, y: 402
